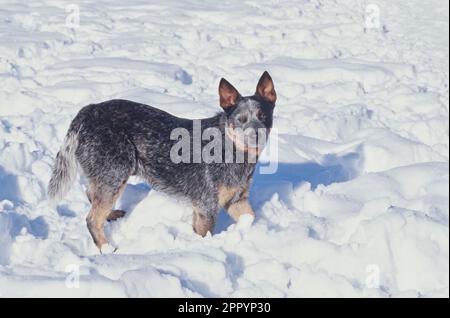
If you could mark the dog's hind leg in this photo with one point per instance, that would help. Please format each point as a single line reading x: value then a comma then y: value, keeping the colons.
x: 107, y: 160
x: 117, y: 214
x: 102, y: 202
x: 114, y: 214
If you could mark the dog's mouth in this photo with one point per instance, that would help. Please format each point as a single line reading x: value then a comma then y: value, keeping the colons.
x: 253, y: 142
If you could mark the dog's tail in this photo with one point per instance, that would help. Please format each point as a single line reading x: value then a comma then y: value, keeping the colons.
x: 65, y: 168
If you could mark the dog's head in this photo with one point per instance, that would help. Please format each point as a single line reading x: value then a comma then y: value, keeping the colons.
x: 249, y: 118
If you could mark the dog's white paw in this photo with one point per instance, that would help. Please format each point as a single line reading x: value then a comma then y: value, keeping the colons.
x: 245, y: 221
x: 107, y: 249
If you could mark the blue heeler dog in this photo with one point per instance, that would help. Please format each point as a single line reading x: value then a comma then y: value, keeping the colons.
x: 114, y: 140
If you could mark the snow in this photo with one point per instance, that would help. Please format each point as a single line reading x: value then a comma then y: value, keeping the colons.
x: 359, y: 203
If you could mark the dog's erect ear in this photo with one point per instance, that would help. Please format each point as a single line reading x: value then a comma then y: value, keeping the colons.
x: 265, y: 88
x: 228, y: 94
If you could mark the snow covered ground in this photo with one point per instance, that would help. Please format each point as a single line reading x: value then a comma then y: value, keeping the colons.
x: 359, y: 205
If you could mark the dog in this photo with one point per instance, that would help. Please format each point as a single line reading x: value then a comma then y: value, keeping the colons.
x: 116, y: 139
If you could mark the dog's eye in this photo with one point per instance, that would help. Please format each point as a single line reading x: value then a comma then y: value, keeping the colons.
x: 243, y: 119
x: 260, y: 115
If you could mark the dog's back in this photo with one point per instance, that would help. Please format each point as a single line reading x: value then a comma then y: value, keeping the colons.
x: 118, y: 138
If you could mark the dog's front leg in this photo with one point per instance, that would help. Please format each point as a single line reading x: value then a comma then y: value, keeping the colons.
x: 239, y: 208
x: 203, y: 221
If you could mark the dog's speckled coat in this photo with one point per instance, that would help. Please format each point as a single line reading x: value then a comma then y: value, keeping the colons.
x: 113, y: 140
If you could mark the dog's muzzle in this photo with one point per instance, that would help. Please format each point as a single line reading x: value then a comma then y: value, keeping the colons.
x: 251, y: 140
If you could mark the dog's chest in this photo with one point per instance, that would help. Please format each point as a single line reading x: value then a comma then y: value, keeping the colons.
x: 236, y: 187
